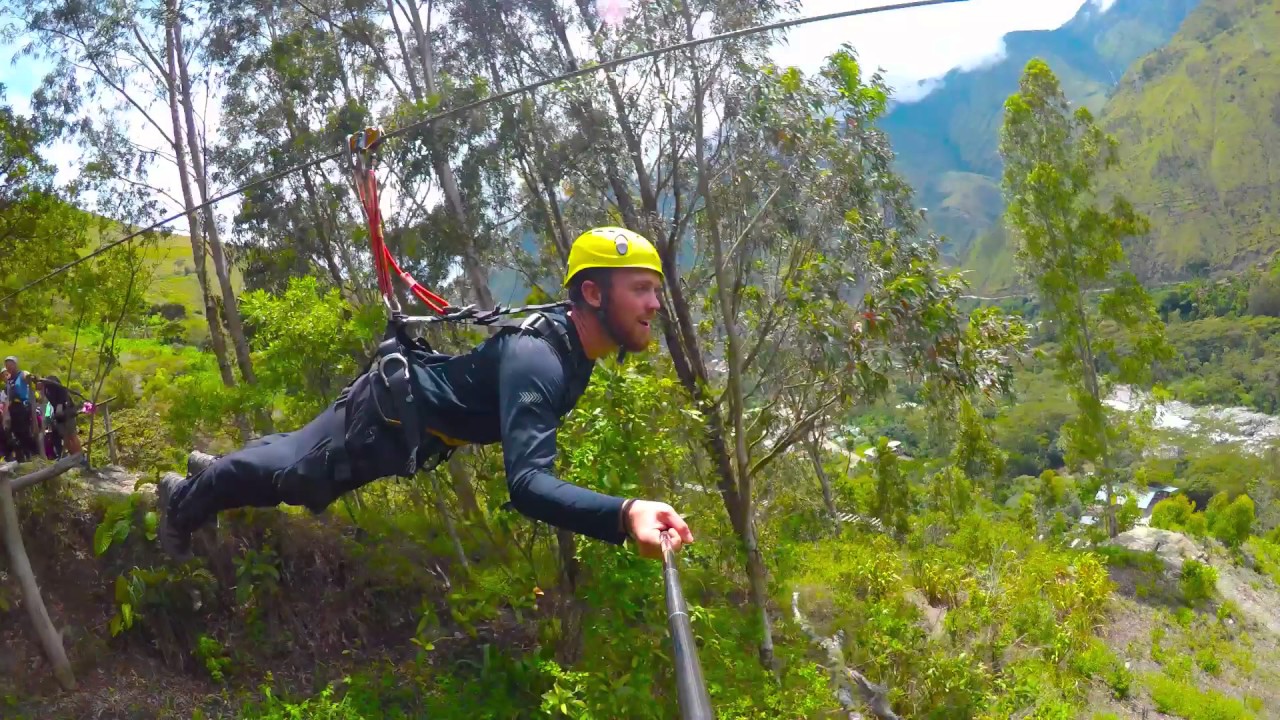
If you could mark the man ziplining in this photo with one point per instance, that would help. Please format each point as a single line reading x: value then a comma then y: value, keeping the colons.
x: 411, y: 406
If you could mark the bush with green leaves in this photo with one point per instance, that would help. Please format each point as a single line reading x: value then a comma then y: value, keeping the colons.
x: 1230, y: 522
x: 1198, y: 581
x: 1179, y: 514
x: 1005, y: 595
x: 1183, y: 699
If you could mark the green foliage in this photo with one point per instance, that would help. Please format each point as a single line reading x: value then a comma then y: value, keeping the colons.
x: 891, y: 499
x: 1230, y: 522
x: 308, y: 344
x: 155, y: 593
x: 1179, y: 514
x: 1198, y: 581
x: 322, y: 707
x: 1266, y: 554
x: 1128, y: 513
x: 1001, y: 590
x: 212, y: 656
x: 39, y: 227
x: 1098, y: 661
x: 119, y: 521
x: 257, y: 581
x: 1183, y: 699
x: 1225, y: 361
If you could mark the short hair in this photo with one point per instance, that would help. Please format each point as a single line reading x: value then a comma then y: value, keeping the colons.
x: 599, y: 276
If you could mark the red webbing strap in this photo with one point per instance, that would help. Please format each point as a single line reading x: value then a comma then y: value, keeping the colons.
x: 366, y: 183
x: 428, y: 298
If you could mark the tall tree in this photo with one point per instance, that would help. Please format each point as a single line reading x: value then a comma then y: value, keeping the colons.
x: 289, y: 97
x: 132, y: 53
x: 1069, y: 246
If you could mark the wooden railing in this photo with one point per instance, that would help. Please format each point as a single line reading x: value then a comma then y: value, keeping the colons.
x: 21, y: 564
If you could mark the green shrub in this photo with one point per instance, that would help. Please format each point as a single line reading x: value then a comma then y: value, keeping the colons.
x: 1173, y: 513
x: 1182, y: 699
x: 1231, y: 522
x: 1198, y: 581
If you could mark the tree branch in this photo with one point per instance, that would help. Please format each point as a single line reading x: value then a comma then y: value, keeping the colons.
x: 792, y: 436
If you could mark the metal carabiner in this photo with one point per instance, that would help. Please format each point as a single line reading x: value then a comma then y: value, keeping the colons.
x: 382, y: 369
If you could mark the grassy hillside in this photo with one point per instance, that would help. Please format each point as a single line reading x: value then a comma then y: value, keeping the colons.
x: 953, y: 133
x: 174, y: 279
x: 1199, y: 124
x: 1199, y: 128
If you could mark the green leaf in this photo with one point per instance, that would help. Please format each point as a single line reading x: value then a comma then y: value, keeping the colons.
x: 102, y: 541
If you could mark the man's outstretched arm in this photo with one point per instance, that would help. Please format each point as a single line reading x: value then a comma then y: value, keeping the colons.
x: 529, y: 378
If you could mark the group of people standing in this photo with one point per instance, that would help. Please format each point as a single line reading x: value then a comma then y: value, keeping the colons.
x: 37, y: 415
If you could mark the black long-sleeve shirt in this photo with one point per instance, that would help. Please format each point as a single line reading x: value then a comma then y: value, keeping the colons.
x: 515, y: 388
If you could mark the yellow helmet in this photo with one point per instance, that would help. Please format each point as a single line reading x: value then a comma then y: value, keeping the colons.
x: 611, y: 247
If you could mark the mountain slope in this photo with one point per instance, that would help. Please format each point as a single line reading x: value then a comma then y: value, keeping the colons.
x: 947, y: 143
x: 1198, y: 123
x: 1199, y: 126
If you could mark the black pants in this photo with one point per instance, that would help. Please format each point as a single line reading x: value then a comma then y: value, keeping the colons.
x: 55, y: 438
x: 22, y: 423
x: 309, y: 467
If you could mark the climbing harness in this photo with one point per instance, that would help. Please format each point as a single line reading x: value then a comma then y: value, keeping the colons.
x: 382, y: 396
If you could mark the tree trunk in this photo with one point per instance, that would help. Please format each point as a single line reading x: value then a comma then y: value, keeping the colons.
x: 734, y: 357
x: 461, y: 477
x: 230, y: 304
x: 216, y: 338
x: 448, y: 180
x: 569, y: 649
x: 815, y: 456
x: 443, y: 509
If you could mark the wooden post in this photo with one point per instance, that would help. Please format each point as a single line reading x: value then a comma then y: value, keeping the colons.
x: 21, y: 565
x: 111, y: 438
x: 88, y: 443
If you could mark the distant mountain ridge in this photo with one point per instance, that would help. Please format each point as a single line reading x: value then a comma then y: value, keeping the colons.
x: 947, y: 142
x: 1199, y: 127
x: 1198, y: 122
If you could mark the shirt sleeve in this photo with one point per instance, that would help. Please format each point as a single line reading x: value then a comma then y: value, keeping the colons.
x: 531, y: 380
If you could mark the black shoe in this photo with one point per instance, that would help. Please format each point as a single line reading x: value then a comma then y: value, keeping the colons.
x: 174, y: 541
x: 198, y: 462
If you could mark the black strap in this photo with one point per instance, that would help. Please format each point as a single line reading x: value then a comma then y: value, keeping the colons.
x: 542, y: 326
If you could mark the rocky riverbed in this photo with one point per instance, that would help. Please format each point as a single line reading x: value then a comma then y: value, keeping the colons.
x: 1250, y: 429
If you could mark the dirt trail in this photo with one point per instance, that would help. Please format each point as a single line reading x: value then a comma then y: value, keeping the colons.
x: 1260, y: 604
x: 112, y: 479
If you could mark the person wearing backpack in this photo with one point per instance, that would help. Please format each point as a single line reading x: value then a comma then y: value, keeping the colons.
x: 61, y: 420
x: 412, y: 407
x: 21, y: 389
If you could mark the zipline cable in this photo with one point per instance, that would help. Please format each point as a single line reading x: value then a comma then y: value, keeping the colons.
x: 451, y: 112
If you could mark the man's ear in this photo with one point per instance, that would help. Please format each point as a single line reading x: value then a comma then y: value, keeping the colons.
x: 593, y: 294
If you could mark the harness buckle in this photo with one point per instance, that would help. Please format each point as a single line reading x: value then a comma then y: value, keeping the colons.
x: 382, y: 369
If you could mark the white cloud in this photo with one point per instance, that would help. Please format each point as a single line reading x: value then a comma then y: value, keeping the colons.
x: 921, y: 44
